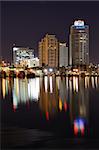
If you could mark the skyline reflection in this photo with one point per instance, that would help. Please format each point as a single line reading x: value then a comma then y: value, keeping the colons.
x: 30, y: 88
x: 53, y: 95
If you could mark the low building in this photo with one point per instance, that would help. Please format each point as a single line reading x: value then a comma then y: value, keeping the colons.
x: 33, y: 63
x: 22, y: 56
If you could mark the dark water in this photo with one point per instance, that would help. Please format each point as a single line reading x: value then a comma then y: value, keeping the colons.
x: 50, y: 112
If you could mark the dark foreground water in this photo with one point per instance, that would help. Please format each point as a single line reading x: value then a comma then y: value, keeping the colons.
x: 50, y: 112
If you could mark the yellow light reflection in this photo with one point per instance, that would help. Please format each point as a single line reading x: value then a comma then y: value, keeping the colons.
x: 3, y: 88
x: 17, y: 86
x: 60, y: 104
x: 58, y: 81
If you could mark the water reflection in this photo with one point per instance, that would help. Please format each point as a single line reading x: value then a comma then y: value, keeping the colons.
x: 25, y: 90
x: 86, y: 82
x: 5, y: 88
x: 33, y: 89
x: 79, y: 102
x: 48, y: 102
x: 54, y: 95
x: 46, y: 83
x: 75, y: 83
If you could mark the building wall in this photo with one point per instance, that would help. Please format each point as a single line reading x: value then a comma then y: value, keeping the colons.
x: 40, y: 53
x: 63, y: 55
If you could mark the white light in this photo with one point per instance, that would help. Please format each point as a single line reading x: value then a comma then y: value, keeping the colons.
x: 96, y: 81
x: 33, y: 89
x: 70, y: 85
x: 38, y: 71
x: 66, y: 82
x: 45, y: 70
x: 51, y: 86
x: 46, y: 83
x: 50, y: 69
x: 75, y: 84
x: 86, y: 82
x: 79, y: 23
x: 15, y: 48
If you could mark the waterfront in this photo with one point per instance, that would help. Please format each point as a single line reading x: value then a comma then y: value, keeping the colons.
x: 48, y: 110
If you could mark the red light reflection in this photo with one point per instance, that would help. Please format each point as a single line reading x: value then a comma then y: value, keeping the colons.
x: 47, y: 115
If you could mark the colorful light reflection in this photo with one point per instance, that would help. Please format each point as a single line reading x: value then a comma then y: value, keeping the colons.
x: 79, y: 126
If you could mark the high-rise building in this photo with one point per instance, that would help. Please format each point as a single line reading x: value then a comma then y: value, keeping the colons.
x: 79, y: 44
x: 48, y: 51
x: 63, y: 55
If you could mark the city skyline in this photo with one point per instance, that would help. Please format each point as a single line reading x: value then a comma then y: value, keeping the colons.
x: 28, y: 25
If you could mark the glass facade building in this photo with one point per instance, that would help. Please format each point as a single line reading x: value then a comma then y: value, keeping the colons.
x: 79, y: 44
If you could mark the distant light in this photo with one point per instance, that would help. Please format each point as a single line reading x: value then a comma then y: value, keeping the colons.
x: 80, y: 27
x: 50, y: 69
x: 15, y: 48
x: 45, y: 70
x: 76, y: 70
x: 38, y: 71
x: 31, y: 70
x: 79, y: 23
x: 62, y: 44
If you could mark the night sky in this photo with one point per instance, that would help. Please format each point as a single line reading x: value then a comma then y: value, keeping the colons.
x: 25, y: 23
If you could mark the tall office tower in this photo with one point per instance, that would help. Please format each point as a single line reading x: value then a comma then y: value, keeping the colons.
x: 79, y: 44
x: 63, y: 55
x: 49, y: 51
